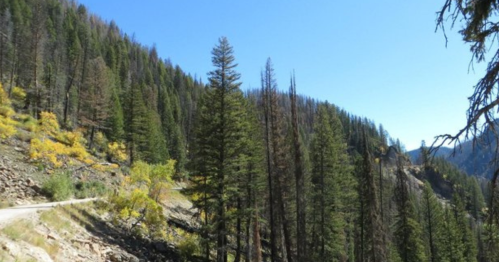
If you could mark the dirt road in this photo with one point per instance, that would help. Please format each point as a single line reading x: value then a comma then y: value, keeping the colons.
x: 8, y: 214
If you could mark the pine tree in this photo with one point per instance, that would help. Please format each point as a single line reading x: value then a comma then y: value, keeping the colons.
x: 330, y: 175
x: 432, y: 213
x: 136, y: 123
x: 73, y: 54
x: 408, y: 230
x: 277, y: 167
x: 95, y: 97
x: 453, y: 246
x: 424, y: 155
x: 218, y: 137
x: 463, y: 224
x: 247, y: 185
x: 301, y: 226
x: 371, y: 246
x: 115, y: 125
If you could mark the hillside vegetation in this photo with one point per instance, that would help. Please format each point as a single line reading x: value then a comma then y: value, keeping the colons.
x: 271, y: 175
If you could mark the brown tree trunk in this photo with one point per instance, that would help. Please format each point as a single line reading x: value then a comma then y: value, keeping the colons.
x: 301, y: 232
x: 257, y: 245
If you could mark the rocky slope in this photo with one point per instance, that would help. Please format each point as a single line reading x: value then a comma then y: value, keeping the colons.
x: 76, y: 232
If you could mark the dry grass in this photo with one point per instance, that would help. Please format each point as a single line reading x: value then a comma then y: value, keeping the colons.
x: 55, y: 220
x: 24, y: 230
x: 3, y: 255
x: 5, y: 204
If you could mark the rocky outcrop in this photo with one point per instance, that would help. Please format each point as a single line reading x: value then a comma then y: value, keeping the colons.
x: 16, y: 186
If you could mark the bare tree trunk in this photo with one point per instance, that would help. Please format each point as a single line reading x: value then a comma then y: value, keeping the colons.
x: 257, y: 244
x: 301, y: 240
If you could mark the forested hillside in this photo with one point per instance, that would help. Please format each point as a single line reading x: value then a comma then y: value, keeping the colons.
x: 274, y: 176
x: 473, y: 157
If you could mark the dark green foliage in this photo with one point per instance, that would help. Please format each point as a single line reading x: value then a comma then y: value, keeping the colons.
x: 49, y: 50
x: 371, y: 233
x: 433, y: 225
x: 115, y: 129
x: 453, y: 247
x: 407, y: 229
x: 463, y: 224
x: 59, y: 187
x: 219, y: 144
x: 332, y: 189
x: 92, y: 75
x: 89, y: 189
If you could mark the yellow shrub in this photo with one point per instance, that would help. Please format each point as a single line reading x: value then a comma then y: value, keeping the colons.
x: 4, y: 98
x: 18, y: 94
x: 7, y: 127
x: 139, y: 196
x: 134, y: 207
x: 78, y: 151
x: 6, y: 111
x: 100, y: 141
x: 49, y: 124
x: 67, y: 144
x: 117, y: 151
x: 71, y: 138
x: 105, y: 168
x: 47, y: 151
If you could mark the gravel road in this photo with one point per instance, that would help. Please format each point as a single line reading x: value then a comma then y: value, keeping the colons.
x: 8, y: 214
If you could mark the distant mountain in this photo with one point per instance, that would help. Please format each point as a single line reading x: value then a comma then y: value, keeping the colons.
x: 442, y: 152
x: 474, y: 160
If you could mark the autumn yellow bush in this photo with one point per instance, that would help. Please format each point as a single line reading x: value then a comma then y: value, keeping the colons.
x: 5, y: 104
x: 138, y: 213
x: 105, y: 167
x: 7, y: 124
x: 7, y: 127
x: 4, y: 97
x: 47, y: 151
x: 136, y: 206
x: 117, y: 151
x: 18, y: 94
x: 52, y: 145
x: 48, y: 124
x: 52, y: 152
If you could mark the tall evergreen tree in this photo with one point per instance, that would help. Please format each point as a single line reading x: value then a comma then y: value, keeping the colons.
x: 330, y: 174
x: 453, y: 246
x: 277, y: 168
x: 464, y: 228
x: 136, y: 123
x: 95, y: 97
x: 218, y: 138
x: 301, y: 227
x: 432, y: 215
x: 371, y: 246
x: 408, y: 230
x: 115, y: 126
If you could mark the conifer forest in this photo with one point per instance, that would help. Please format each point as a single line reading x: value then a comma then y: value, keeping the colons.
x: 272, y: 175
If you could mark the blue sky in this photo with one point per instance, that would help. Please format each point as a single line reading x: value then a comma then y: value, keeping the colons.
x: 378, y: 59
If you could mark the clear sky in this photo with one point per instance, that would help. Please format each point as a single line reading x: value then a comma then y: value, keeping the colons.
x: 379, y: 59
